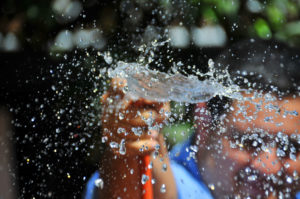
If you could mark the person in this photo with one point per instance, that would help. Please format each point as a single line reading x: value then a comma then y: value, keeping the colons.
x: 246, y: 148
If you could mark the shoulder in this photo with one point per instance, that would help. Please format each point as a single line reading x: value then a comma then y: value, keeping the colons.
x: 188, y: 181
x: 298, y: 195
x: 187, y: 185
x: 91, y: 188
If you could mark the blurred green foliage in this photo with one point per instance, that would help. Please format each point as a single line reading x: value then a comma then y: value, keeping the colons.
x: 36, y: 23
x: 177, y: 132
x: 262, y: 29
x: 275, y: 19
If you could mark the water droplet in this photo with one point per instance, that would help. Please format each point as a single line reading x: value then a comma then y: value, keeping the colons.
x: 211, y: 186
x: 120, y: 130
x: 122, y: 149
x: 150, y: 165
x: 293, y: 156
x: 145, y: 178
x: 108, y: 59
x: 247, y: 170
x: 104, y: 139
x: 268, y: 119
x: 194, y: 148
x: 289, y: 180
x: 163, y: 188
x: 286, y: 165
x: 254, y: 144
x: 137, y: 131
x: 113, y: 145
x: 252, y: 178
x: 121, y: 116
x: 153, y: 181
x: 280, y: 153
x: 99, y: 183
x: 82, y: 140
x: 164, y: 167
x: 167, y: 114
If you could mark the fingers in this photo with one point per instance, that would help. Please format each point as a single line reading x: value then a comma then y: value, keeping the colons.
x: 118, y: 83
x: 126, y: 122
x: 128, y: 132
x: 115, y: 89
x: 125, y: 131
x: 115, y: 102
x: 136, y: 115
x: 138, y: 147
x: 141, y: 147
x: 143, y: 117
x: 130, y: 147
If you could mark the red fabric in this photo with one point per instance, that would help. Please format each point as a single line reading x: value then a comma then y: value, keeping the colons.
x: 147, y: 187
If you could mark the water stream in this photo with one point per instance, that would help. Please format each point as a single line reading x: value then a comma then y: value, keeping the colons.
x: 159, y: 86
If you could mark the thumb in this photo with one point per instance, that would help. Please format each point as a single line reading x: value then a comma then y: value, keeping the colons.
x: 141, y: 147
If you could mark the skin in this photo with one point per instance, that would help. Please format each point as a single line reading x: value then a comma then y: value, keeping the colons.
x: 115, y: 168
x: 222, y: 166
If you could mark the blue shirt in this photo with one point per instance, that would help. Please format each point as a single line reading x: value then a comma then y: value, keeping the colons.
x: 185, y: 170
x: 187, y: 176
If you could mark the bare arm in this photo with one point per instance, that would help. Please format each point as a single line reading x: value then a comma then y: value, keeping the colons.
x: 162, y: 173
x: 123, y: 122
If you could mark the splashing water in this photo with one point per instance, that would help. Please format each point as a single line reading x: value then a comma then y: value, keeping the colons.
x: 158, y: 86
x: 143, y: 82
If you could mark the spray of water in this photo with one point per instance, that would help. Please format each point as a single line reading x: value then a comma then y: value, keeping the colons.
x: 143, y: 82
x: 159, y: 86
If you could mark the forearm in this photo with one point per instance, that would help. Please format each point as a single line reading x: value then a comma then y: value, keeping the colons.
x: 163, y: 175
x: 121, y: 176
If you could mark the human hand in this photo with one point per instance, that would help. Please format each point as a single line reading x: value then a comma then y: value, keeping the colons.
x: 131, y: 125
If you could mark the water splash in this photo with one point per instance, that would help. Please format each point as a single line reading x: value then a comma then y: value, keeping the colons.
x: 159, y: 86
